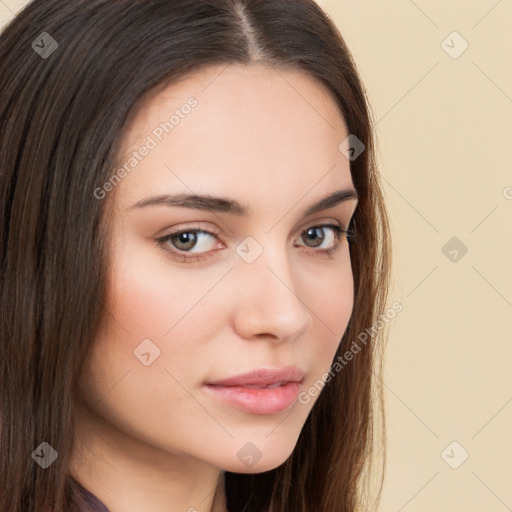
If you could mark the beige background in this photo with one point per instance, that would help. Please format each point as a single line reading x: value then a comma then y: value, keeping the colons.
x: 444, y: 127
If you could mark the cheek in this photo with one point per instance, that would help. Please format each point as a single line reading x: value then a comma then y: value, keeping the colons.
x: 144, y: 296
x: 151, y: 298
x: 331, y: 299
x: 334, y: 300
x: 149, y: 310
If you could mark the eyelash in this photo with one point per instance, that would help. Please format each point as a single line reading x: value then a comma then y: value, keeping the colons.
x: 339, y: 233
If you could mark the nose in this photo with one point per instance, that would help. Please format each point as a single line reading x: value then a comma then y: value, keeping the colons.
x: 269, y: 302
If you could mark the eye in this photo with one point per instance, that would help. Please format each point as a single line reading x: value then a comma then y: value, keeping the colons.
x: 190, y: 241
x: 192, y: 244
x: 316, y: 236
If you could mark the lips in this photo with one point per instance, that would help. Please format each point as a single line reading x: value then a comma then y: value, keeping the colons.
x: 262, y: 391
x: 262, y: 378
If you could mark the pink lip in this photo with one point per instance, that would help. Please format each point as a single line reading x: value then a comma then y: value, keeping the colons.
x: 249, y: 393
x: 263, y: 377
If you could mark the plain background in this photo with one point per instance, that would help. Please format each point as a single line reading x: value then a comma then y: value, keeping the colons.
x: 443, y: 122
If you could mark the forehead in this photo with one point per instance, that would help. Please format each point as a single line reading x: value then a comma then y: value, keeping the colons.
x: 236, y: 129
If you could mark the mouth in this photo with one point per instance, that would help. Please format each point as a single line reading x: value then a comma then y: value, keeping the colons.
x: 270, y: 386
x: 263, y: 391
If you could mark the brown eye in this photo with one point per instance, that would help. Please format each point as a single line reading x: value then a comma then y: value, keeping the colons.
x: 314, y: 235
x: 184, y: 240
x: 196, y: 242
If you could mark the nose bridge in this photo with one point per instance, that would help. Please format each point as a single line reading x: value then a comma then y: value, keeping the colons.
x: 270, y: 301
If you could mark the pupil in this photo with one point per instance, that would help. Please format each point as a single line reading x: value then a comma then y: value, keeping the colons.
x: 187, y: 238
x: 316, y: 231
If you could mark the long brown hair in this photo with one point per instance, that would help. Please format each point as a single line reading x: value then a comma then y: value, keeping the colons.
x: 62, y: 115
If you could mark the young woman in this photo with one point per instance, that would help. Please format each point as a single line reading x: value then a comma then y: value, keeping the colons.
x: 194, y: 250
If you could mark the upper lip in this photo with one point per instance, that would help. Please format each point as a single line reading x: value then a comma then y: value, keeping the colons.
x: 263, y: 377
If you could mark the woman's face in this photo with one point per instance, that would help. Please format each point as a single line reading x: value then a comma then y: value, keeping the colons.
x: 258, y: 292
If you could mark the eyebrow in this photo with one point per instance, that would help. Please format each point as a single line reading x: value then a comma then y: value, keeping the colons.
x: 233, y: 207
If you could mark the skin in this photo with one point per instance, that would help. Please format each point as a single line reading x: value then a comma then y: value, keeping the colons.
x: 149, y: 437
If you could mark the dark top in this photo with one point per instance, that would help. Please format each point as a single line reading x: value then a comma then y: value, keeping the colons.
x: 91, y: 502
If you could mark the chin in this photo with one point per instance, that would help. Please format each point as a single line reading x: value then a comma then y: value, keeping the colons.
x: 259, y: 467
x: 260, y: 453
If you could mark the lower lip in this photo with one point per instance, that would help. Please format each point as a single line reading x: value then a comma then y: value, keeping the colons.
x: 257, y: 400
